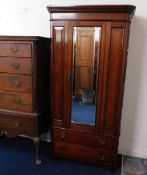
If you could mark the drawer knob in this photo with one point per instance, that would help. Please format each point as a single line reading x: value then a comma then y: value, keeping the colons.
x: 101, y: 142
x: 63, y: 136
x: 17, y: 101
x: 101, y: 157
x: 17, y: 124
x: 15, y: 65
x: 16, y: 83
x: 14, y: 49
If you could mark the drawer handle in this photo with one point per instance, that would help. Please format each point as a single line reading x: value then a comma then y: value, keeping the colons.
x: 14, y: 49
x: 16, y: 83
x: 17, y: 124
x: 15, y: 65
x: 17, y: 101
x: 63, y: 136
x: 101, y: 142
x: 101, y: 157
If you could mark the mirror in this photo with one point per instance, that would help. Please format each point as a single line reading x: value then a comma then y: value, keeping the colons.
x: 86, y: 44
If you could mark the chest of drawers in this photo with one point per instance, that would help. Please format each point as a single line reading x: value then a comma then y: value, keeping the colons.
x: 24, y: 87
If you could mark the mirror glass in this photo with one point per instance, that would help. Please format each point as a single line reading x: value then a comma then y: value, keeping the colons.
x: 86, y: 44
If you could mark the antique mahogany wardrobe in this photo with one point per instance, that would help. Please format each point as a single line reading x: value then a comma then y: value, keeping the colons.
x: 88, y: 64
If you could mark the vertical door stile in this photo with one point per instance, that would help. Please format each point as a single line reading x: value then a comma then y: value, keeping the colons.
x: 99, y: 80
x: 65, y: 70
x: 102, y: 76
x: 69, y: 74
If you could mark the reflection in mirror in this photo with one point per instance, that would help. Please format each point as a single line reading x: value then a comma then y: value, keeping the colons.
x: 86, y: 42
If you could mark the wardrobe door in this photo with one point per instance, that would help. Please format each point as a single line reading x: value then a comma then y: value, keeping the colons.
x: 59, y: 69
x: 86, y: 45
x: 114, y: 76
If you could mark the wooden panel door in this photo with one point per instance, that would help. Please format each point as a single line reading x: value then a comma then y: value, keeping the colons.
x: 90, y: 57
x: 84, y: 60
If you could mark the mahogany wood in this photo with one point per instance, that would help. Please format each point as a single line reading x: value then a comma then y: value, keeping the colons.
x: 18, y: 83
x: 78, y: 141
x: 16, y: 101
x: 15, y: 49
x: 15, y: 65
x: 24, y: 86
x: 16, y: 125
x: 62, y: 134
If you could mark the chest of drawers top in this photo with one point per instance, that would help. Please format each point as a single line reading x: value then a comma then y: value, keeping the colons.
x: 17, y: 46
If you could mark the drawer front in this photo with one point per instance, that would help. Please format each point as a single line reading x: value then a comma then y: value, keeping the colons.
x: 15, y: 125
x: 16, y: 101
x: 83, y: 138
x: 17, y: 83
x: 16, y: 65
x: 15, y: 49
x: 86, y: 153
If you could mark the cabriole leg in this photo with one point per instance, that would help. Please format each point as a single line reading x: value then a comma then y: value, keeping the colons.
x: 36, y: 143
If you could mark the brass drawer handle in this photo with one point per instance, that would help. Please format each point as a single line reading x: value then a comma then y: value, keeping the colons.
x: 101, y: 142
x: 101, y: 157
x: 63, y: 136
x: 17, y: 124
x: 16, y: 83
x: 17, y: 101
x: 14, y: 49
x: 15, y: 65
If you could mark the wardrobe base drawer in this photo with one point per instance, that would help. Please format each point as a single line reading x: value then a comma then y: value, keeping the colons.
x: 17, y: 125
x: 94, y: 140
x: 83, y: 153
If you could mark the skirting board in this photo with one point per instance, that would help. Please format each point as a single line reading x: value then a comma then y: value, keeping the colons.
x: 133, y: 154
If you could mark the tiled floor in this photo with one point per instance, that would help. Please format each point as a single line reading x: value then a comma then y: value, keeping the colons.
x: 134, y: 166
